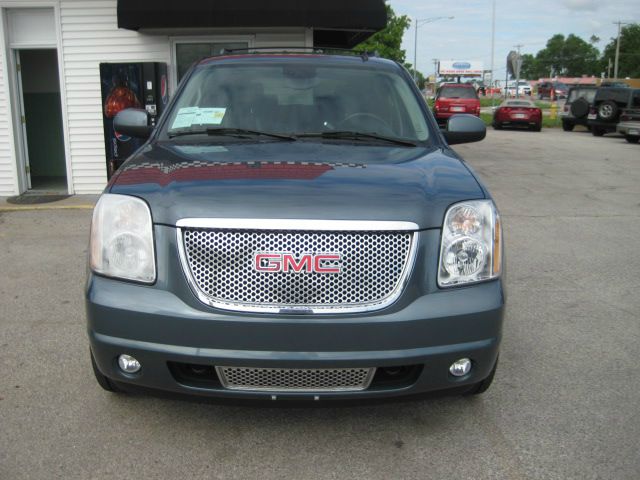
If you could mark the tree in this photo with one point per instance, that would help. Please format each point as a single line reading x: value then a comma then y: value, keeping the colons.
x: 387, y: 42
x: 629, y: 64
x: 570, y: 56
x: 529, y: 67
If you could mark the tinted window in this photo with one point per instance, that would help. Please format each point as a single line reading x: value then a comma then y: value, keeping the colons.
x: 635, y: 101
x: 457, y: 92
x: 300, y: 97
x: 588, y: 94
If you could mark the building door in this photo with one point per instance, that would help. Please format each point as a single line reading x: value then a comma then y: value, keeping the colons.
x: 41, y: 119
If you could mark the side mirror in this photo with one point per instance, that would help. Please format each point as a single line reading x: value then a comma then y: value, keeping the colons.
x: 464, y: 129
x: 133, y: 122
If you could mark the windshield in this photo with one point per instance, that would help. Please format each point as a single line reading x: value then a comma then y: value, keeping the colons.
x: 457, y: 92
x: 297, y: 98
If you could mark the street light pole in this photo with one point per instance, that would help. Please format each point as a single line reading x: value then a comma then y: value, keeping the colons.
x: 493, y: 47
x: 418, y: 23
x: 615, y: 68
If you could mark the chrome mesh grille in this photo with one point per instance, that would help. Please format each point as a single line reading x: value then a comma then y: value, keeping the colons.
x: 298, y: 379
x: 221, y: 265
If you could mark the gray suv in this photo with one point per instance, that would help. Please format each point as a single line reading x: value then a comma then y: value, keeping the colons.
x: 296, y: 228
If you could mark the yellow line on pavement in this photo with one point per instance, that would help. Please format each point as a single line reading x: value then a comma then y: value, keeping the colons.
x: 46, y: 207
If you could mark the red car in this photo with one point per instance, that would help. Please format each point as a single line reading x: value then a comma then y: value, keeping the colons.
x: 455, y: 98
x: 518, y: 113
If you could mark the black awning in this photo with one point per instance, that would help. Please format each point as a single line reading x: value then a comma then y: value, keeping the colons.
x: 336, y: 23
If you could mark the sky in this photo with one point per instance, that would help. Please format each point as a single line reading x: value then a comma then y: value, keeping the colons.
x: 525, y: 22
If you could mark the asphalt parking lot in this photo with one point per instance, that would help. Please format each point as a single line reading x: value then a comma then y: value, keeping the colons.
x: 564, y: 404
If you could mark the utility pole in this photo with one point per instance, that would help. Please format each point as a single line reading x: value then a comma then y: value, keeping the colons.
x: 493, y: 46
x: 435, y: 70
x: 615, y: 68
x: 518, y: 68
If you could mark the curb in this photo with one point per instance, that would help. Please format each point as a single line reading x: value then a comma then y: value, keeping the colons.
x: 45, y: 207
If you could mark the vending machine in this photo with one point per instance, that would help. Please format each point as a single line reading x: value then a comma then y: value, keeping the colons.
x: 130, y: 85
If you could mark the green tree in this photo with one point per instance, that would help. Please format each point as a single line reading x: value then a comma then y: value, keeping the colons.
x: 529, y: 68
x: 629, y: 65
x: 387, y: 43
x: 570, y: 56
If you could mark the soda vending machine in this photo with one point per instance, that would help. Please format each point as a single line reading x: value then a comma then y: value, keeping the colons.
x: 130, y: 85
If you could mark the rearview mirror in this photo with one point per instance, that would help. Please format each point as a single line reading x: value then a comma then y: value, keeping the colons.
x: 133, y: 122
x: 464, y: 129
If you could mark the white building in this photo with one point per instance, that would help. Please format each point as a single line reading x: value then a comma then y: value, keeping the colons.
x: 51, y: 113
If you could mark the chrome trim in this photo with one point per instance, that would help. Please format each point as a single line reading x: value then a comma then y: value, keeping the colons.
x: 298, y: 310
x: 365, y: 384
x: 297, y: 224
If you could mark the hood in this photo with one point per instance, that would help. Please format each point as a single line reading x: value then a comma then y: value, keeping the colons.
x: 301, y: 180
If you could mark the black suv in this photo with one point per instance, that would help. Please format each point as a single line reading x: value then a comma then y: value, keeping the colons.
x: 607, y: 107
x: 577, y: 107
x: 296, y: 228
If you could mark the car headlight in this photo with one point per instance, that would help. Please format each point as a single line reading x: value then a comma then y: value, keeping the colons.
x: 121, y: 243
x: 471, y: 248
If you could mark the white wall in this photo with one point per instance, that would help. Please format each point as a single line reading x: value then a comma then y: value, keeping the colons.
x: 89, y: 35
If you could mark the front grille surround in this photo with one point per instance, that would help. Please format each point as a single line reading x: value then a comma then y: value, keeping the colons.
x: 209, y: 248
x: 313, y: 380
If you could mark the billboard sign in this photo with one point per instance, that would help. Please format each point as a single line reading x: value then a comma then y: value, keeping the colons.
x: 461, y: 67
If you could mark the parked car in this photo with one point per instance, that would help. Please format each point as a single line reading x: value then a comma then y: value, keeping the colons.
x: 523, y: 89
x: 281, y: 236
x: 577, y: 107
x: 518, y: 113
x: 552, y: 90
x: 454, y: 99
x: 608, y: 105
x: 629, y: 125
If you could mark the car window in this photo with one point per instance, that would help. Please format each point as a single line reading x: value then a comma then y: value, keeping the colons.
x: 589, y: 94
x: 516, y: 103
x: 635, y: 101
x: 298, y: 98
x: 457, y: 92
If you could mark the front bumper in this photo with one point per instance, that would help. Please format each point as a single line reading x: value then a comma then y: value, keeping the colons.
x: 165, y: 324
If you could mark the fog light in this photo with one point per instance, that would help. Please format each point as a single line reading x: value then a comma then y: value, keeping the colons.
x: 460, y: 368
x: 128, y: 364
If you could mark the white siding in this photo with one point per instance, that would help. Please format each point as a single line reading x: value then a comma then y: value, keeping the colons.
x: 7, y: 183
x: 90, y: 36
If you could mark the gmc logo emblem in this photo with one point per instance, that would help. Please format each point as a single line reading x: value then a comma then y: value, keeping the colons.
x: 305, y: 263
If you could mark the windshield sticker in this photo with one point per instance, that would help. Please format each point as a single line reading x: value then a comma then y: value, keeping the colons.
x: 190, y: 116
x: 210, y: 116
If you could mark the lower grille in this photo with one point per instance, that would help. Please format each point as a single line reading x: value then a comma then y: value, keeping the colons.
x: 296, y: 380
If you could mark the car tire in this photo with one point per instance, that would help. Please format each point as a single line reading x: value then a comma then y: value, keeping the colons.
x: 580, y: 108
x: 568, y: 126
x: 497, y: 126
x: 597, y: 131
x: 632, y: 138
x: 481, y: 387
x: 608, y: 110
x: 103, y: 381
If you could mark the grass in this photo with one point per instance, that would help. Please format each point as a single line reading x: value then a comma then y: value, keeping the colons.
x: 547, y: 122
x: 486, y: 102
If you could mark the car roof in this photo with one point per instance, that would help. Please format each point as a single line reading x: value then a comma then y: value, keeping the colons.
x: 457, y: 85
x: 317, y: 58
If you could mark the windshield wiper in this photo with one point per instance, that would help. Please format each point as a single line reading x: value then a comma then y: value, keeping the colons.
x: 353, y: 135
x: 230, y: 132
